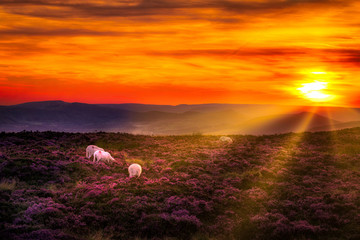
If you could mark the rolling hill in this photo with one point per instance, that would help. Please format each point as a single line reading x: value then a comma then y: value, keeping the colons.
x: 299, y: 122
x: 168, y: 119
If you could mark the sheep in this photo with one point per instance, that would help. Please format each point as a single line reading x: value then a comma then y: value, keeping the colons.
x: 134, y: 170
x: 102, y: 155
x: 226, y: 139
x: 90, y: 150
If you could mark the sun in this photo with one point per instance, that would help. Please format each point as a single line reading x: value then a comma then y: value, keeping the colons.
x: 316, y: 87
x: 315, y: 91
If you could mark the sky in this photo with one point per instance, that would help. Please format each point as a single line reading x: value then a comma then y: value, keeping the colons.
x: 292, y: 52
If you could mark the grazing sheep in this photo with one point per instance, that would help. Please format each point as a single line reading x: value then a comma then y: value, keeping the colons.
x: 135, y: 170
x: 102, y: 155
x: 226, y: 139
x: 90, y: 150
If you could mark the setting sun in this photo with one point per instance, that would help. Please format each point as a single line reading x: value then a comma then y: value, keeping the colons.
x: 314, y: 91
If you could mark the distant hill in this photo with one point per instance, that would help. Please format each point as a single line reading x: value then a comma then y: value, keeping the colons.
x: 337, y: 126
x: 216, y: 122
x: 340, y: 114
x: 210, y: 107
x: 168, y: 119
x: 58, y: 116
x: 299, y: 122
x: 63, y: 116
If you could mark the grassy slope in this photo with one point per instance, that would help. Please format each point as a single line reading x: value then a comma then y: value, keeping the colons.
x: 290, y: 186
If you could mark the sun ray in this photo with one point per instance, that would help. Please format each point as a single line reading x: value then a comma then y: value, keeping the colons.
x: 266, y: 121
x: 303, y: 126
x: 330, y: 118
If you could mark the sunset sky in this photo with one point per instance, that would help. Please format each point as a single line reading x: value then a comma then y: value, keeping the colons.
x: 295, y: 52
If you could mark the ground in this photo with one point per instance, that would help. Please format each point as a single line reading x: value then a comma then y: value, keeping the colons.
x: 288, y: 186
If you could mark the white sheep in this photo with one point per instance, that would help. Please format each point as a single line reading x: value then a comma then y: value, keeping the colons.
x: 102, y: 155
x: 226, y: 139
x: 90, y: 150
x: 135, y: 170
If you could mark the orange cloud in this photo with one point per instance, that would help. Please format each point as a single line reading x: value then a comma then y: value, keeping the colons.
x: 172, y: 52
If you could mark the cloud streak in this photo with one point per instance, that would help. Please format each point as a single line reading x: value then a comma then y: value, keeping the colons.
x: 54, y: 8
x: 185, y: 45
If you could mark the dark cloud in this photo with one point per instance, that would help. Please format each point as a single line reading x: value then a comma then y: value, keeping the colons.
x: 53, y: 32
x: 348, y: 57
x: 344, y: 56
x: 38, y: 31
x: 152, y: 7
x: 232, y: 52
x: 240, y: 6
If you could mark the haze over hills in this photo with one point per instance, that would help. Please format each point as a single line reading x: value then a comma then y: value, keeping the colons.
x: 168, y: 119
x: 299, y: 122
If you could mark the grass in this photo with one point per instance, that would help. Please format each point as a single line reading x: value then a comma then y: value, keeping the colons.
x: 130, y: 161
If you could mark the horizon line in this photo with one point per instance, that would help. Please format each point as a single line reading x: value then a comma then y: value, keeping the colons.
x: 174, y: 105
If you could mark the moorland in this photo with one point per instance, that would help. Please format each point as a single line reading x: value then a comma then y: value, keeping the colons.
x: 284, y: 186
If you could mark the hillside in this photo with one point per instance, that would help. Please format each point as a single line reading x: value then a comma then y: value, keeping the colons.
x: 337, y: 126
x: 285, y: 123
x: 173, y: 120
x: 289, y: 186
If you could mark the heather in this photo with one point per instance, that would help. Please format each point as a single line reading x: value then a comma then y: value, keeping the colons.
x: 288, y: 186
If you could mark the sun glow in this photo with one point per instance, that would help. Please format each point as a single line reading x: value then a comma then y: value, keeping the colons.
x: 314, y: 91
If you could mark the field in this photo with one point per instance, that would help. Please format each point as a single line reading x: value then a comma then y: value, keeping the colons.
x: 288, y: 186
